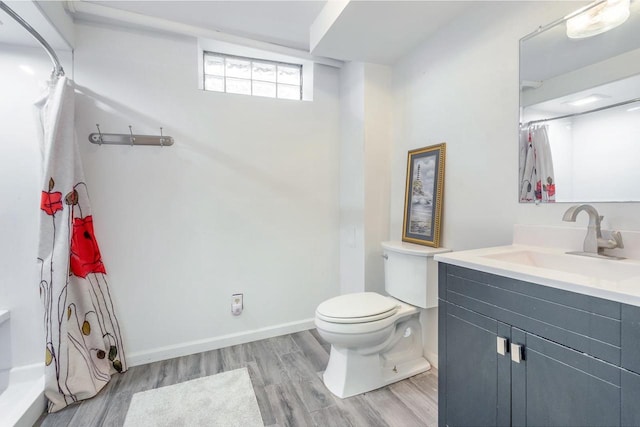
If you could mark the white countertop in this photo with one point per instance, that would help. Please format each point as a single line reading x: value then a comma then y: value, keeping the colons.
x: 617, y: 280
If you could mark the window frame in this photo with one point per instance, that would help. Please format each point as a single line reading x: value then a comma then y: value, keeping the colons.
x: 251, y: 60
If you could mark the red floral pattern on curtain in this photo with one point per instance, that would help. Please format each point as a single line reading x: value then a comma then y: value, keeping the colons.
x: 91, y: 328
x: 85, y: 253
x: 51, y: 201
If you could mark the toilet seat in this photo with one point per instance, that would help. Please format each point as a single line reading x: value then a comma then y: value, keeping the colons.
x: 362, y: 307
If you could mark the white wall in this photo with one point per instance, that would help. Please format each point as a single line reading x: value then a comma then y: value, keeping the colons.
x: 352, y: 175
x: 24, y: 71
x: 377, y: 171
x: 462, y: 88
x: 365, y: 100
x: 606, y: 153
x: 245, y: 201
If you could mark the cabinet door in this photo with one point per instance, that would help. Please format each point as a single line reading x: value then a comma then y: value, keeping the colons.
x: 630, y: 398
x: 558, y: 386
x: 477, y: 376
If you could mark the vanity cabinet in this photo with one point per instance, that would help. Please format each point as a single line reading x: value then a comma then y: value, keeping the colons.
x: 518, y: 353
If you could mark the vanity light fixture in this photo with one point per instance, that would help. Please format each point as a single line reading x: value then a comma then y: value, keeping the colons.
x: 603, y: 17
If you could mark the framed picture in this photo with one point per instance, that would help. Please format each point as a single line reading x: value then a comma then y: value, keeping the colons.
x: 423, y: 195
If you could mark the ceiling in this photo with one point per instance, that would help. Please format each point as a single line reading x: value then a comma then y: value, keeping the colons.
x: 375, y: 31
x: 381, y: 32
x: 12, y: 33
x: 371, y: 31
x: 283, y: 23
x: 612, y: 93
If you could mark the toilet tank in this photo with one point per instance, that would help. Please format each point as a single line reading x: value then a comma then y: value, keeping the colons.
x: 411, y: 273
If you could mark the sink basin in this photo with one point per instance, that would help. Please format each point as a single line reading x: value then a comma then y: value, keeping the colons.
x: 602, y: 269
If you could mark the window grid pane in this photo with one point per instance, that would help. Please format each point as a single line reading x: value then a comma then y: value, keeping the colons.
x: 288, y: 91
x: 238, y: 68
x: 241, y: 86
x: 263, y: 71
x: 267, y: 89
x: 214, y: 83
x: 248, y: 76
x: 214, y: 65
x: 288, y: 74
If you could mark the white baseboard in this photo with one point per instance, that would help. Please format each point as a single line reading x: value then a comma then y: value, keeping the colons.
x: 26, y: 373
x: 192, y: 347
x: 432, y: 358
x: 22, y: 403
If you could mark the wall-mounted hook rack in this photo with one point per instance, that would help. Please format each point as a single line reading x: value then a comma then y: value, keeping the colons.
x: 129, y: 139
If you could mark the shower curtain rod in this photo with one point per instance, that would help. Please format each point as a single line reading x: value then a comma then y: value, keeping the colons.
x: 595, y: 110
x: 57, y: 68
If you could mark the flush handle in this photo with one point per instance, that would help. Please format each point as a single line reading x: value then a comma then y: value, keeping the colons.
x: 502, y: 345
x: 517, y: 353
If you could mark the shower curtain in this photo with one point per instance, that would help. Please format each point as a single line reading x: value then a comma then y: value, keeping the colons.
x: 83, y: 344
x: 537, y: 180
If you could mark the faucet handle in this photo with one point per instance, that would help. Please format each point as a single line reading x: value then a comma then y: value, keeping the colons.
x: 617, y: 237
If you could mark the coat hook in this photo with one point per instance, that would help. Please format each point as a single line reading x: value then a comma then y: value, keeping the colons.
x: 131, y: 138
x: 99, y: 133
x: 161, y: 138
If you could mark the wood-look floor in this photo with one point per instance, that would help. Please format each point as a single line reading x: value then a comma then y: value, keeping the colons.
x: 284, y: 372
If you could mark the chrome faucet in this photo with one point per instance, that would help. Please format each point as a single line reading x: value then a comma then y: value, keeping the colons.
x: 594, y: 243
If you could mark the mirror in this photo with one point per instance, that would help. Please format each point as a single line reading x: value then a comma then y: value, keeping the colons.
x: 580, y: 110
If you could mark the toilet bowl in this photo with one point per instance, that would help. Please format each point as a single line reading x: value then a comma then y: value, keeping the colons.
x: 376, y: 340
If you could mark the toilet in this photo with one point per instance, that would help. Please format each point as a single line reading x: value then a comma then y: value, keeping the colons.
x: 376, y: 340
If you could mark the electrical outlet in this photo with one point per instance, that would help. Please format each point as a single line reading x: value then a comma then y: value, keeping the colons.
x: 237, y: 304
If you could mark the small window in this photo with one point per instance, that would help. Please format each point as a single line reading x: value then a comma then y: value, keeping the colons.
x: 250, y: 76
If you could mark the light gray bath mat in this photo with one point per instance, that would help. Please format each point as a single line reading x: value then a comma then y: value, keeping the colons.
x: 225, y: 399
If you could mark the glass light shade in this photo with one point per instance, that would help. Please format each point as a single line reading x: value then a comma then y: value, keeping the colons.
x: 598, y: 19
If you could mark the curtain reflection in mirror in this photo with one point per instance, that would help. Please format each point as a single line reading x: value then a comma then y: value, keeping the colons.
x: 537, y: 180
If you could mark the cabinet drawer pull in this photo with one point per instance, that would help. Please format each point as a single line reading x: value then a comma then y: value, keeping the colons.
x: 502, y: 345
x: 517, y: 353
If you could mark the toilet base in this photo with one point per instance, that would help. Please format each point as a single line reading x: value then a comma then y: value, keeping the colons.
x: 349, y: 373
x: 353, y: 371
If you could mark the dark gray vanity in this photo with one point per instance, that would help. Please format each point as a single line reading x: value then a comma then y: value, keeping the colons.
x: 518, y: 353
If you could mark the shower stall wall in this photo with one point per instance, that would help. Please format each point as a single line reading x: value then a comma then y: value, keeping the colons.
x: 21, y: 336
x: 24, y: 71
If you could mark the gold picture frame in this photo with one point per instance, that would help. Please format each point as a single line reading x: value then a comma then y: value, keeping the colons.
x: 423, y: 195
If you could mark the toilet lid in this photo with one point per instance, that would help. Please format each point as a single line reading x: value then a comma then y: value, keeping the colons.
x: 357, y: 307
